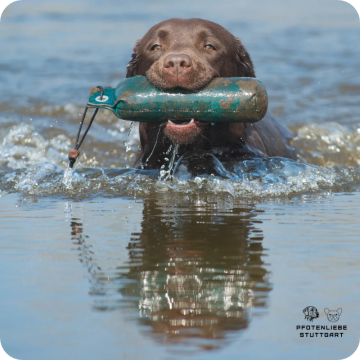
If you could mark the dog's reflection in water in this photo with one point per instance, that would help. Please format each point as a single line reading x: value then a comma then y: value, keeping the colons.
x: 194, y: 272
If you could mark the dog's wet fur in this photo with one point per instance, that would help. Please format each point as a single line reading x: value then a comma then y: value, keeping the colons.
x: 188, y: 54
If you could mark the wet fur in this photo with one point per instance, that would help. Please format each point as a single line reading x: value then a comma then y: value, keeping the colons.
x: 225, y: 141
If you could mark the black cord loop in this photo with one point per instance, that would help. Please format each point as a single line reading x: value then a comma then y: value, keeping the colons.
x: 74, y: 153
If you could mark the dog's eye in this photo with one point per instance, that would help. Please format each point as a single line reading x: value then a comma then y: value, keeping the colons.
x: 209, y: 47
x: 156, y: 47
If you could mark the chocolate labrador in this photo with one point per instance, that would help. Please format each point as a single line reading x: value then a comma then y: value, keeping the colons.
x: 188, y: 54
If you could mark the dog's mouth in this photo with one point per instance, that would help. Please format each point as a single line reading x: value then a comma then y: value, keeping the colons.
x: 182, y: 131
x: 181, y: 122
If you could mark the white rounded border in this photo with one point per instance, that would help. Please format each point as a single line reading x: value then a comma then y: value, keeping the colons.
x: 4, y: 355
x: 355, y: 355
x: 355, y: 4
x: 4, y: 4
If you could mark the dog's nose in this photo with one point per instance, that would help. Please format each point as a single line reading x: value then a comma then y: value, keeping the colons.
x: 177, y: 64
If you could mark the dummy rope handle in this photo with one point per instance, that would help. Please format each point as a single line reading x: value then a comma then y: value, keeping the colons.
x: 75, y: 153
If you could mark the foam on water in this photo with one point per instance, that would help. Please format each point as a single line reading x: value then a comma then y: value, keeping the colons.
x: 22, y: 146
x: 328, y: 144
x: 254, y: 178
x: 28, y: 142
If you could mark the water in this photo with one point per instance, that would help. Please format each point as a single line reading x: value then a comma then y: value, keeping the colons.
x: 105, y: 261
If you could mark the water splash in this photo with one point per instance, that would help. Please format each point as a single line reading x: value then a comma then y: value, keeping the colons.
x: 328, y: 144
x: 127, y: 145
x: 168, y: 174
x: 131, y: 127
x: 156, y: 140
x: 36, y: 170
x: 67, y: 178
x: 255, y: 178
x: 23, y: 146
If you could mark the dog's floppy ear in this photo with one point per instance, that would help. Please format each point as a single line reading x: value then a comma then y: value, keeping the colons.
x: 326, y: 311
x: 306, y: 311
x: 339, y: 310
x: 131, y: 67
x: 244, y: 63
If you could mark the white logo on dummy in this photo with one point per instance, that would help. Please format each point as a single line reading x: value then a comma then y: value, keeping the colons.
x: 4, y: 4
x: 4, y: 355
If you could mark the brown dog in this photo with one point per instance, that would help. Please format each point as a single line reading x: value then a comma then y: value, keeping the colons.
x: 188, y: 54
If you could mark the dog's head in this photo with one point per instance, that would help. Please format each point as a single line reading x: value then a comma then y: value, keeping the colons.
x: 333, y: 315
x: 311, y: 313
x: 187, y: 54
